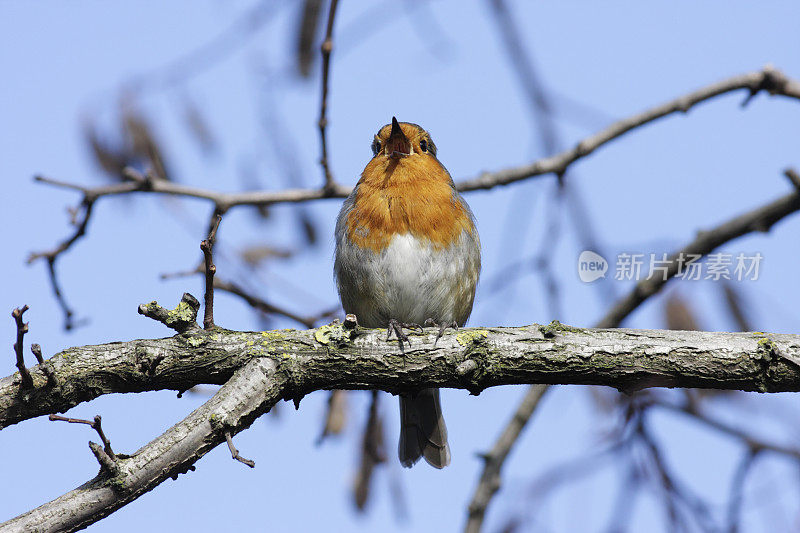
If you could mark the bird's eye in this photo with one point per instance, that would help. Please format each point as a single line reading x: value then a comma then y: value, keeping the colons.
x: 376, y: 147
x: 423, y: 144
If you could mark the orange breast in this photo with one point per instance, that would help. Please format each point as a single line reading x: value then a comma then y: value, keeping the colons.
x: 410, y: 195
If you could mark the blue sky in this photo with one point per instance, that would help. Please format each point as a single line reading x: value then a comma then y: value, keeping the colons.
x: 440, y: 65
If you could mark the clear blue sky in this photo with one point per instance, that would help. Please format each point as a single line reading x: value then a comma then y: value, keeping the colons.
x: 441, y: 66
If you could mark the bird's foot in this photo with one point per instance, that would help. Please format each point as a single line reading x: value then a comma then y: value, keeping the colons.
x: 442, y: 327
x: 396, y: 327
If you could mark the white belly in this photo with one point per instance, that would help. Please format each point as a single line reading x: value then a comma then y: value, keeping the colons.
x: 410, y: 281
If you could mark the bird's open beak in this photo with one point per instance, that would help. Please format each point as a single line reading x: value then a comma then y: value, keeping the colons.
x: 397, y: 145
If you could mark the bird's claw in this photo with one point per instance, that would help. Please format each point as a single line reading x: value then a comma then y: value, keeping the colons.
x: 396, y: 327
x: 442, y: 327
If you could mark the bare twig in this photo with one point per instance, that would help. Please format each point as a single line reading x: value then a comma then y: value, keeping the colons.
x: 95, y: 424
x: 327, y: 48
x: 22, y: 329
x: 258, y: 302
x: 266, y: 307
x: 208, y: 254
x: 52, y: 255
x: 235, y: 453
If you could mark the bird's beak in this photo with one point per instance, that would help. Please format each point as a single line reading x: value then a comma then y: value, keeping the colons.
x: 397, y: 145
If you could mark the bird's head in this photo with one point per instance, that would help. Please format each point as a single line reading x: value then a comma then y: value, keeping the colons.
x: 400, y: 140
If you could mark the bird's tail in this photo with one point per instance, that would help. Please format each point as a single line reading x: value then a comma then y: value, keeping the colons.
x: 422, y: 429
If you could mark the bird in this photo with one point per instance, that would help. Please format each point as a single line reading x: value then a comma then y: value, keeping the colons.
x: 408, y: 253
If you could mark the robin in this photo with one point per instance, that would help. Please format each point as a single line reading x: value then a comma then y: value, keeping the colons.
x: 408, y: 253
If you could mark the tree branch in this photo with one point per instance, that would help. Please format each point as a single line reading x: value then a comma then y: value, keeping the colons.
x: 262, y: 367
x: 207, y: 246
x: 326, y: 48
x: 489, y: 482
x: 761, y: 219
x: 26, y: 381
x: 758, y: 220
x: 768, y: 79
x: 252, y: 391
x: 332, y: 357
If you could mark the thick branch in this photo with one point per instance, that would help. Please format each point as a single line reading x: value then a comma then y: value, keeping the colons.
x: 473, y: 359
x: 262, y: 367
x: 252, y: 391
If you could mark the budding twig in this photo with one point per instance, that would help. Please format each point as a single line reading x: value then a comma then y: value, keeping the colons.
x: 22, y: 329
x: 95, y: 424
x: 37, y: 352
x: 208, y: 254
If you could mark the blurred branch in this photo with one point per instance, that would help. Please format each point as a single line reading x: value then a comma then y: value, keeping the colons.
x: 768, y: 79
x: 266, y: 307
x: 758, y: 220
x: 676, y: 496
x: 306, y: 35
x: 258, y: 303
x: 373, y: 453
x: 336, y: 415
x: 737, y: 489
x: 489, y: 482
x: 793, y: 177
x: 327, y: 48
x: 752, y: 443
x: 761, y: 220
